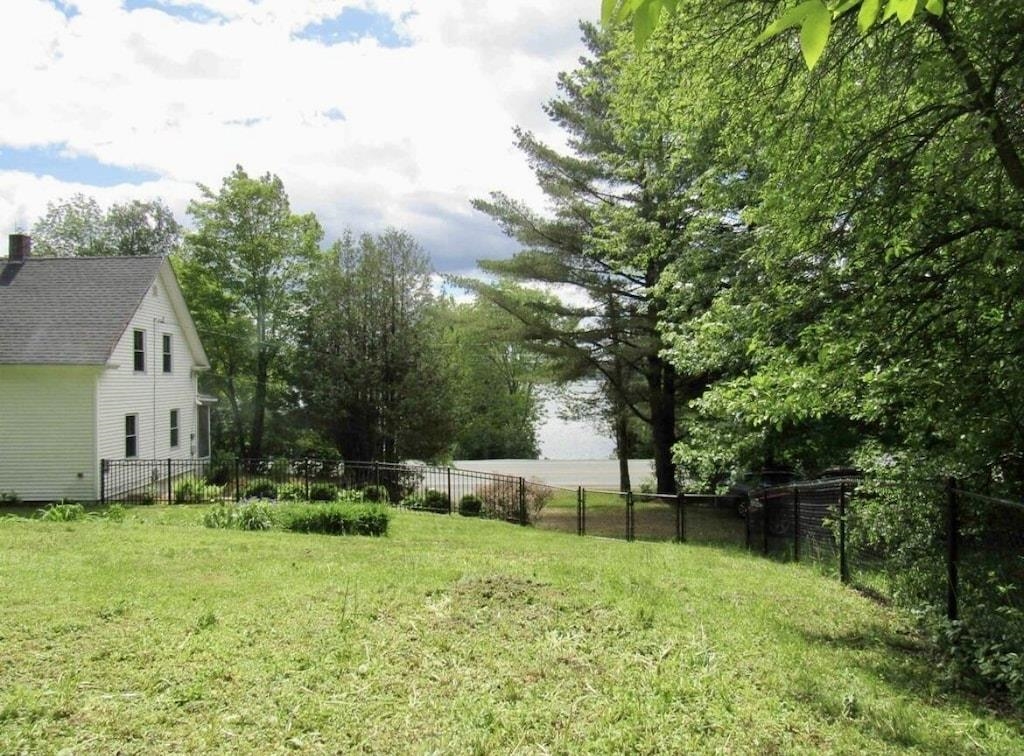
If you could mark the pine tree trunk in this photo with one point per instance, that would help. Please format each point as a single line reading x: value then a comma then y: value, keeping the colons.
x: 661, y: 380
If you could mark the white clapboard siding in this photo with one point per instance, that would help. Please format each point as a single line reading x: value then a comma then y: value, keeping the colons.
x: 151, y: 395
x: 47, y: 441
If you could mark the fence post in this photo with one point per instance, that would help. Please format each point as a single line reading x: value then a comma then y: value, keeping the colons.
x: 103, y: 481
x: 953, y: 550
x: 629, y: 515
x: 764, y: 519
x: 522, y: 501
x: 583, y: 511
x: 449, y: 471
x: 796, y: 523
x: 844, y: 567
x: 579, y: 510
x: 680, y: 518
x: 306, y: 464
x: 238, y: 481
x: 747, y: 518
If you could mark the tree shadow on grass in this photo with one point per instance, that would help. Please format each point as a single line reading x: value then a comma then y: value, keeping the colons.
x: 910, y: 680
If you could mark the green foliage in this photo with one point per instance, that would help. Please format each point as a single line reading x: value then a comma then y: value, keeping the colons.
x: 115, y: 513
x: 339, y: 518
x: 255, y: 515
x: 77, y: 227
x: 291, y: 492
x: 63, y: 512
x: 221, y: 516
x: 370, y: 377
x: 433, y: 500
x: 496, y: 400
x: 9, y: 497
x: 332, y: 518
x: 244, y: 271
x: 323, y: 492
x: 471, y: 505
x: 375, y: 494
x: 617, y: 204
x: 192, y: 491
x: 814, y: 18
x: 260, y: 488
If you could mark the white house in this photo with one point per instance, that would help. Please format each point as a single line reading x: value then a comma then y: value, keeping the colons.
x: 99, y: 359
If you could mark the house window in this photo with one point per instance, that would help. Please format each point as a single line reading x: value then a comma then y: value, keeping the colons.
x: 167, y: 352
x: 131, y: 436
x: 174, y: 429
x: 139, y: 350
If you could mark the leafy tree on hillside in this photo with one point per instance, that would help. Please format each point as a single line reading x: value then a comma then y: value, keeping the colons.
x: 878, y: 300
x: 496, y: 398
x: 245, y: 270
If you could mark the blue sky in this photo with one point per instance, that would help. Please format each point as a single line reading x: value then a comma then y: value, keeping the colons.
x: 54, y: 161
x: 352, y: 25
x: 376, y: 113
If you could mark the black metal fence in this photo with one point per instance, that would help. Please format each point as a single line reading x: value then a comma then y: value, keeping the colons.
x: 956, y: 553
x: 425, y: 487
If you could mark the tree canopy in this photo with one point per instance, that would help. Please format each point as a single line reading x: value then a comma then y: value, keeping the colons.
x: 78, y: 227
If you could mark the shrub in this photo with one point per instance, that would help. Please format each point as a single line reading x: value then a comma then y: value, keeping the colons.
x: 291, y: 492
x: 436, y: 501
x: 323, y: 492
x: 255, y: 515
x: 115, y: 513
x: 470, y: 505
x: 500, y: 499
x: 221, y: 516
x: 260, y: 488
x: 334, y: 518
x: 376, y: 494
x: 338, y: 518
x: 195, y: 491
x: 63, y: 512
x: 9, y: 497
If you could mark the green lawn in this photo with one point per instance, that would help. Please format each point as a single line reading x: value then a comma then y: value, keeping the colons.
x: 450, y: 635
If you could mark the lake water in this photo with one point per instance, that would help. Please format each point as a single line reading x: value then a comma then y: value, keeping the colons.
x: 572, y: 439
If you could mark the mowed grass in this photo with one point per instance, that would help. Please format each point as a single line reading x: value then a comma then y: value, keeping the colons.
x: 450, y: 635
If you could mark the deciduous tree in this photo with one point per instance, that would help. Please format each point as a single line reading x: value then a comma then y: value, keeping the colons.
x: 246, y: 269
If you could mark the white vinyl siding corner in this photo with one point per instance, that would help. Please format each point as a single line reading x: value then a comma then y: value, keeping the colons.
x: 47, y: 440
x: 150, y: 395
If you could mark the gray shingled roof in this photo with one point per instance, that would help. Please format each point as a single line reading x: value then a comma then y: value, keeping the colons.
x: 69, y: 311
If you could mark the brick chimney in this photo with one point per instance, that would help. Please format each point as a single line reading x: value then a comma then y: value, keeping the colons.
x: 20, y: 247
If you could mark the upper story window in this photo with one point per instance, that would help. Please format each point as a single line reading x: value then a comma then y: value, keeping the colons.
x: 139, y: 350
x: 167, y: 352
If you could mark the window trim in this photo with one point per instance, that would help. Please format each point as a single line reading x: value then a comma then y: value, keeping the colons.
x: 139, y: 350
x: 167, y: 352
x: 175, y: 421
x: 131, y: 436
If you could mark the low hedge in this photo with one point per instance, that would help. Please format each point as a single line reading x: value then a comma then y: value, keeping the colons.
x: 333, y: 518
x: 341, y: 518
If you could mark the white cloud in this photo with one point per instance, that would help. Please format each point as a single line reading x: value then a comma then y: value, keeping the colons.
x: 424, y: 128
